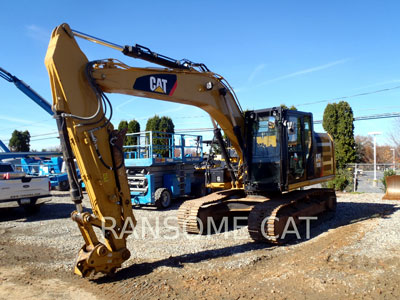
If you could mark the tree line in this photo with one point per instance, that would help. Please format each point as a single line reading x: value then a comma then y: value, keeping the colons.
x: 159, y: 125
x: 20, y: 140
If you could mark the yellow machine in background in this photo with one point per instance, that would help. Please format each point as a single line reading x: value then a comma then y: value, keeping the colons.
x: 278, y: 150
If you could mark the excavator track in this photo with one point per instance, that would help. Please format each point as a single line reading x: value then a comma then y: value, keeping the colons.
x: 267, y: 217
x: 189, y: 213
x: 268, y: 220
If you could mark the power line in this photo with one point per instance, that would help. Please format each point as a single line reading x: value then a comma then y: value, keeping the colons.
x: 42, y: 134
x: 351, y: 96
x: 48, y: 138
x: 25, y: 125
x: 379, y: 108
x: 371, y: 117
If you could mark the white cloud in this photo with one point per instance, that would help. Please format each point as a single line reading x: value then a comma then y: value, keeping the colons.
x: 121, y: 111
x: 38, y: 33
x: 255, y: 72
x: 16, y: 120
x: 305, y: 71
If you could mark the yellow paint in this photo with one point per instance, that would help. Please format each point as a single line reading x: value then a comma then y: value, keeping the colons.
x: 269, y: 141
x: 159, y: 90
x: 310, y: 182
x: 105, y: 177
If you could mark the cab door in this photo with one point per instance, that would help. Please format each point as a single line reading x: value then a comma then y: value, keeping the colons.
x: 298, y: 146
x: 263, y: 151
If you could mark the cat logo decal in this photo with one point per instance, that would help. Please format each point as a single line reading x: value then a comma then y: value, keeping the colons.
x: 157, y: 83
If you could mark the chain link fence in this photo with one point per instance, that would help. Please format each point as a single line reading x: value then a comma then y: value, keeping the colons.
x: 364, y: 176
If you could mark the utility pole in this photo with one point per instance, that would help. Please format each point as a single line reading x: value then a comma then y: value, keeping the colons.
x: 374, y: 134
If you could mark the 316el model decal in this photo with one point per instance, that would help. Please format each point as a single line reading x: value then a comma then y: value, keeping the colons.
x: 157, y: 83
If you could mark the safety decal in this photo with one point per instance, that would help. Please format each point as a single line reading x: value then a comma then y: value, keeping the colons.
x: 157, y: 83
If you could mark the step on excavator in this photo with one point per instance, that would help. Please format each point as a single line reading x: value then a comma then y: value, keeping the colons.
x: 278, y: 151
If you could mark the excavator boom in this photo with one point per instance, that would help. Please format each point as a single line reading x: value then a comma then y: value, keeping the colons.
x: 86, y: 132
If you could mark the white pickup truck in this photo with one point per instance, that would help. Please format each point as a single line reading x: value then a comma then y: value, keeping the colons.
x: 17, y: 188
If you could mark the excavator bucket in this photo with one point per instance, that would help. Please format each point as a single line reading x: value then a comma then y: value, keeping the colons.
x: 392, y: 188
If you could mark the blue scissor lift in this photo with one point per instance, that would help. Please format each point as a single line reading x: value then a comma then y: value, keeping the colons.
x: 160, y: 166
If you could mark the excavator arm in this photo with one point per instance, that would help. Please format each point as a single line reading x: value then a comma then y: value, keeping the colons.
x: 86, y: 133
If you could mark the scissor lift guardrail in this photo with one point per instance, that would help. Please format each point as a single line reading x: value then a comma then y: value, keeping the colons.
x: 161, y: 165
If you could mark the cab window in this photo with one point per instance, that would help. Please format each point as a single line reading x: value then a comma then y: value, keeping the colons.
x: 296, y: 149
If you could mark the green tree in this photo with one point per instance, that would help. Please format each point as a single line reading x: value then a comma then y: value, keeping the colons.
x: 338, y: 122
x: 291, y: 108
x: 166, y: 125
x: 123, y: 124
x: 163, y: 124
x: 153, y: 123
x: 132, y: 127
x: 19, y: 141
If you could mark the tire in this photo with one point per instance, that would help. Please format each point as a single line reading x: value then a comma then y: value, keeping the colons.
x: 162, y: 198
x: 63, y: 186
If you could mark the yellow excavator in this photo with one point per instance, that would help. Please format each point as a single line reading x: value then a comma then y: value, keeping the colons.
x: 279, y: 153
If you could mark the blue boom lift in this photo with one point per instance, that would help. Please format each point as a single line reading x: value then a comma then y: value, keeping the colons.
x: 4, y: 147
x: 45, y: 167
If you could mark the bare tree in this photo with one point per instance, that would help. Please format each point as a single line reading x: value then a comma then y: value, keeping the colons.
x: 395, y: 137
x: 364, y: 149
x: 395, y: 134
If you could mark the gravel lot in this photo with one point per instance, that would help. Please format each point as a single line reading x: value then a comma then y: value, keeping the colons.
x: 353, y: 254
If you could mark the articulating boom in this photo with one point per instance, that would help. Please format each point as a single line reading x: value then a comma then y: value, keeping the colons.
x: 80, y: 106
x: 27, y: 90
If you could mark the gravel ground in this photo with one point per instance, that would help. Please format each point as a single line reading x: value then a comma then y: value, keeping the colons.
x: 356, y: 252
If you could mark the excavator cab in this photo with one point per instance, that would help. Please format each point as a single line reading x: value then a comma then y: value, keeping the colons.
x: 279, y: 149
x: 263, y: 152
